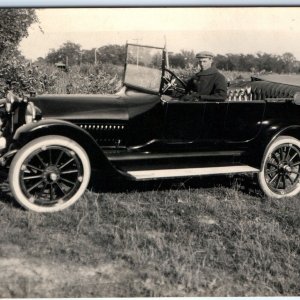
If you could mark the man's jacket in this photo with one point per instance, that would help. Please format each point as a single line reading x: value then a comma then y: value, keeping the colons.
x: 209, y: 84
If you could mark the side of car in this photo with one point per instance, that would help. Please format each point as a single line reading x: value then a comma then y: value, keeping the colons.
x: 168, y: 149
x: 52, y: 142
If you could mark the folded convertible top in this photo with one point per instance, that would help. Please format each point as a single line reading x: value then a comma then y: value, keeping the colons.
x: 279, y: 78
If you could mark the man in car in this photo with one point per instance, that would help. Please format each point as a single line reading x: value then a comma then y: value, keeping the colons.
x: 208, y: 84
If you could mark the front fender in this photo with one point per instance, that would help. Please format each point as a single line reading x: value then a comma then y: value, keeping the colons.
x: 24, y: 133
x: 99, y: 161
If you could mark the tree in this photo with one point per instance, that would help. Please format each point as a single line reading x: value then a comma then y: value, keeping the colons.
x: 289, y: 61
x: 69, y: 53
x: 114, y: 54
x: 177, y: 60
x: 14, y: 24
x: 232, y: 61
x: 221, y: 62
x: 189, y: 57
x: 40, y: 61
x: 89, y: 56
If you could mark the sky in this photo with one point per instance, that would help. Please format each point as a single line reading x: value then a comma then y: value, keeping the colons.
x: 93, y: 3
x: 222, y: 30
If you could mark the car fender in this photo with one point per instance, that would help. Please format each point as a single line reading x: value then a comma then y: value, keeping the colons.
x: 267, y: 137
x: 279, y: 130
x: 28, y: 132
x: 292, y: 130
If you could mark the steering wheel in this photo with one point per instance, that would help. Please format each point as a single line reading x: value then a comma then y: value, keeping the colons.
x: 173, y: 84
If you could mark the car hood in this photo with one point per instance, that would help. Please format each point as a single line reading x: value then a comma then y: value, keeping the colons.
x: 81, y: 106
x: 121, y: 106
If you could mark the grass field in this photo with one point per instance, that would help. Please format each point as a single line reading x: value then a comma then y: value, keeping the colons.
x: 204, y: 237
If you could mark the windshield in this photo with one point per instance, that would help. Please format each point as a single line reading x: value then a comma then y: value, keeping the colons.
x: 143, y: 67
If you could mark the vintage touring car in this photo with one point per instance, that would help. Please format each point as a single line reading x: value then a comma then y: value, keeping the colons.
x: 50, y: 143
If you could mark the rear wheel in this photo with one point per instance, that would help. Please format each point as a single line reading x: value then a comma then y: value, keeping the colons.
x: 280, y: 173
x: 49, y: 174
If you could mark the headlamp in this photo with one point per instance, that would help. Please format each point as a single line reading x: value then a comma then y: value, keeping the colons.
x: 10, y: 99
x: 30, y: 113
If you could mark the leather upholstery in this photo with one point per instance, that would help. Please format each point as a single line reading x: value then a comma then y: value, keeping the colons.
x: 260, y: 90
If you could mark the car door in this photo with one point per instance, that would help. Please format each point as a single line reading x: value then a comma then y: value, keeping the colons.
x: 243, y: 120
x: 213, y: 123
x: 194, y: 123
x: 183, y: 121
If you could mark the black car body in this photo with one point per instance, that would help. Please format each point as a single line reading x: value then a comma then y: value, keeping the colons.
x: 145, y: 131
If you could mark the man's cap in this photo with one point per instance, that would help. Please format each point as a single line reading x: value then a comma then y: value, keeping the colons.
x: 204, y: 54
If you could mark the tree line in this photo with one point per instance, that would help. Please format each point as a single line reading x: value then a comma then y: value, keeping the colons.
x: 72, y: 53
x: 285, y: 63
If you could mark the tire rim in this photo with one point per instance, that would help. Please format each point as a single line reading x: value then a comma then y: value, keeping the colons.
x: 51, y: 175
x: 282, y: 169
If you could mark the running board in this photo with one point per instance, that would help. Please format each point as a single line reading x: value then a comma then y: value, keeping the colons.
x: 146, y: 156
x: 169, y: 173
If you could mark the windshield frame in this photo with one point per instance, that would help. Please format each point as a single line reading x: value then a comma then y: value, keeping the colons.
x: 162, y: 69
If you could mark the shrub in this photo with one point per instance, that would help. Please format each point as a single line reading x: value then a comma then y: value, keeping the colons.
x: 85, y: 79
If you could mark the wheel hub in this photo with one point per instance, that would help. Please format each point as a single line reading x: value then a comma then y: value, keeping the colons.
x: 284, y: 167
x: 287, y: 169
x: 51, y: 174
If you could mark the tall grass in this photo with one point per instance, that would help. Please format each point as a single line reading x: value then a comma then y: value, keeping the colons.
x: 185, y: 241
x: 83, y: 79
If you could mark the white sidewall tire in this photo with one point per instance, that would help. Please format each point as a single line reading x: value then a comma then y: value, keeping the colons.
x: 261, y: 175
x: 23, y: 153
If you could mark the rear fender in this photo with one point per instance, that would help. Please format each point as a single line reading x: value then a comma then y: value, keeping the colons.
x: 293, y: 131
x: 99, y: 161
x: 270, y: 135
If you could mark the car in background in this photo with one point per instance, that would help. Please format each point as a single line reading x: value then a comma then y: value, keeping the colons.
x: 50, y: 144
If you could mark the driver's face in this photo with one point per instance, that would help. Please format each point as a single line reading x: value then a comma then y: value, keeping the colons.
x: 204, y: 63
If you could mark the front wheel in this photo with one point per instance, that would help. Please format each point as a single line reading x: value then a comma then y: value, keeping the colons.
x: 49, y: 174
x: 280, y: 173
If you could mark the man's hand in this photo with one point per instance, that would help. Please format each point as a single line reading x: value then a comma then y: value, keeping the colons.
x: 191, y: 97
